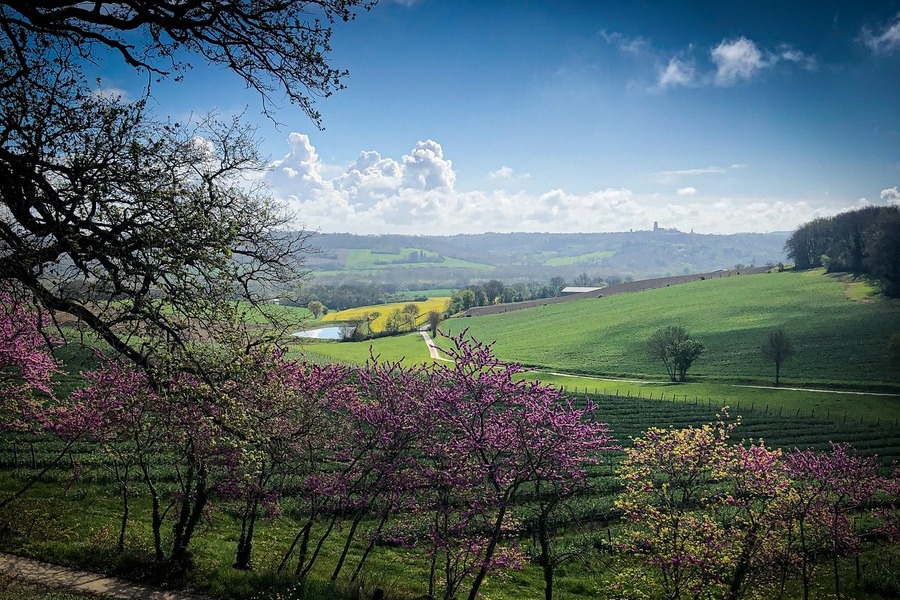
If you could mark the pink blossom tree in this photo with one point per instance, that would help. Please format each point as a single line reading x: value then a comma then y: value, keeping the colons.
x: 278, y: 406
x: 493, y: 435
x: 116, y: 411
x: 829, y: 486
x: 26, y: 364
x: 26, y: 371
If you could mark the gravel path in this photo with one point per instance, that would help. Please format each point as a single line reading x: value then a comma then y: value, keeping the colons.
x: 54, y: 576
x: 433, y: 350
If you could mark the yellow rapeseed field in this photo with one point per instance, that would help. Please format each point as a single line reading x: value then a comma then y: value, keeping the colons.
x: 383, y: 310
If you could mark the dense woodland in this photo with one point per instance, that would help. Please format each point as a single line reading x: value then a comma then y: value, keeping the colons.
x: 861, y: 241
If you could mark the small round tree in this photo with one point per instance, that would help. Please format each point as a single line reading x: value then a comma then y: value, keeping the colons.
x: 675, y: 348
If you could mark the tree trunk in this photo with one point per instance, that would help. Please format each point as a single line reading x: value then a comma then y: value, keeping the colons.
x: 248, y: 523
x: 489, y: 552
x: 369, y: 546
x: 245, y: 541
x: 304, y: 531
x: 303, y: 571
x: 185, y: 527
x: 120, y: 547
x: 156, y: 516
x: 350, y: 535
x: 834, y: 552
x: 743, y: 566
x: 546, y: 563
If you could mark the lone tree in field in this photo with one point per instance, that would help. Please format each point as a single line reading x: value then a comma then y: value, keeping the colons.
x: 316, y: 308
x: 777, y: 348
x: 434, y: 319
x: 674, y: 347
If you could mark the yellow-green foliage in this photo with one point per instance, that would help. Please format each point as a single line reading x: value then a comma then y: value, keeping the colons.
x: 383, y: 310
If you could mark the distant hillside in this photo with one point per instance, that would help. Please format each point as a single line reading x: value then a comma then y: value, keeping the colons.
x: 457, y: 260
x: 841, y: 336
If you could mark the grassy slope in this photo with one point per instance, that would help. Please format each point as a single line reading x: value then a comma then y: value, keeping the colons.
x: 839, y: 340
x: 363, y: 259
x: 409, y: 347
x: 585, y: 259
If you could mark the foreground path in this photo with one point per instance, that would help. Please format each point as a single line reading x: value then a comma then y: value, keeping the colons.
x: 433, y: 350
x: 54, y: 576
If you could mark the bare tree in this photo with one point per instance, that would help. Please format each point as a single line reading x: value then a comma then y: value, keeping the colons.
x: 777, y: 348
x: 278, y: 47
x: 147, y: 230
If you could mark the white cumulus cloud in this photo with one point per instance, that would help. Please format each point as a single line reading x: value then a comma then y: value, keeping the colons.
x: 735, y: 60
x: 425, y: 168
x: 891, y: 196
x: 416, y: 194
x: 501, y: 173
x: 508, y: 174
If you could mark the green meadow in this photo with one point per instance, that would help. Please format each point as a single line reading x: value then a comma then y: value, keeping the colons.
x: 409, y: 348
x: 364, y: 259
x: 840, y: 331
x: 581, y: 259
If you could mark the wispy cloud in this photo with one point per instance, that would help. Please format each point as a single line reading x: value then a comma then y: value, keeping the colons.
x: 686, y: 191
x: 732, y: 61
x: 788, y: 53
x: 885, y: 42
x: 677, y: 73
x: 625, y: 44
x: 669, y: 176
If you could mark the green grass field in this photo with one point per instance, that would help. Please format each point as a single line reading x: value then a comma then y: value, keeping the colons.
x: 840, y: 340
x: 409, y: 348
x: 581, y: 259
x: 365, y: 259
x: 284, y: 313
x: 412, y: 294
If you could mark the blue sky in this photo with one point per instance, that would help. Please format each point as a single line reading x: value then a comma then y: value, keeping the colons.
x: 470, y: 116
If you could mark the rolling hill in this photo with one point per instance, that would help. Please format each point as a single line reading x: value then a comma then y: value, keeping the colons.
x: 841, y: 335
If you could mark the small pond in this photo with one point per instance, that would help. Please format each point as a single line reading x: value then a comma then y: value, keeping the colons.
x: 322, y: 333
